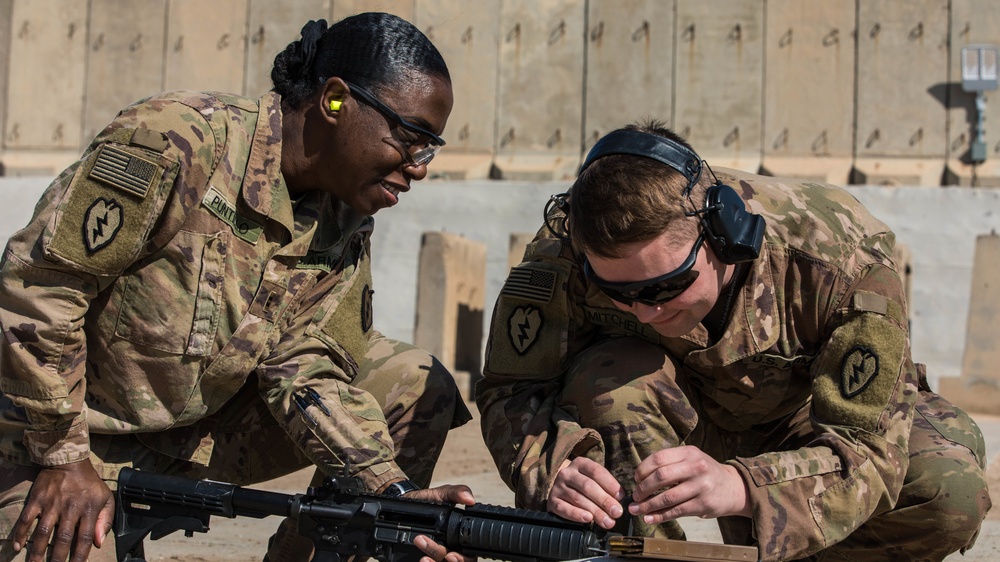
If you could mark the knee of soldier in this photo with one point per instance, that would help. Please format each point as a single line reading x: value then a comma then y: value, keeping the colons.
x: 955, y: 502
x: 620, y: 381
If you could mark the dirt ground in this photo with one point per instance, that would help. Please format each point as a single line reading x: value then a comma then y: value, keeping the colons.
x: 465, y: 459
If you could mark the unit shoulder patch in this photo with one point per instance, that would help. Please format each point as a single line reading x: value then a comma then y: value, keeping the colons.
x: 102, y: 222
x: 108, y: 209
x: 522, y: 328
x: 858, y: 369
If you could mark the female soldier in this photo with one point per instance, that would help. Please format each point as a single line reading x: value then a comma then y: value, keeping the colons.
x: 194, y: 295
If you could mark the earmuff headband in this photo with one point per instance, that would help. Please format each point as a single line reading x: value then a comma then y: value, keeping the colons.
x: 661, y: 149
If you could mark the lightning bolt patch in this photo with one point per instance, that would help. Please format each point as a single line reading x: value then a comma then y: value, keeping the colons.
x: 857, y: 371
x: 522, y: 328
x: 101, y: 223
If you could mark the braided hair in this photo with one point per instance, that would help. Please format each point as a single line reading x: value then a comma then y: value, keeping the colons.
x: 371, y: 49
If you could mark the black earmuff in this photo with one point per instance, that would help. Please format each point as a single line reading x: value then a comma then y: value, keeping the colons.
x: 734, y: 233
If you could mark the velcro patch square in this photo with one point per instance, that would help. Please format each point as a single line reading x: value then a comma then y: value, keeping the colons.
x: 124, y: 171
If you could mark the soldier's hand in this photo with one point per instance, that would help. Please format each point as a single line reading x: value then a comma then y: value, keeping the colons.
x: 71, y: 506
x: 454, y: 494
x: 684, y: 481
x: 585, y: 491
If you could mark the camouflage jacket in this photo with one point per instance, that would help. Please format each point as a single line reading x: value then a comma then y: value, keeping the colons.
x: 820, y: 318
x: 168, y: 267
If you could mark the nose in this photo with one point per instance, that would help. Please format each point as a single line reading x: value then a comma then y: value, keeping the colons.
x: 415, y: 171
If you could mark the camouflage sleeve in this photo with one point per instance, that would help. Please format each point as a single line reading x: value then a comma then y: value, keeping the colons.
x: 864, y: 389
x: 535, y: 329
x: 92, y: 222
x: 306, y: 381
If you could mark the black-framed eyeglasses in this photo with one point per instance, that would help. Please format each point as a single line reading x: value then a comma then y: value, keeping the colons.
x: 415, y: 143
x: 651, y: 292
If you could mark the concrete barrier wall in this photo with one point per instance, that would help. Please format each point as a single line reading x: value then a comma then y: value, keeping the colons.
x: 862, y: 91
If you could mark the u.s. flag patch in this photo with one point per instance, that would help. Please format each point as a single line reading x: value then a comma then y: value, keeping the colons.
x: 125, y: 171
x: 530, y: 283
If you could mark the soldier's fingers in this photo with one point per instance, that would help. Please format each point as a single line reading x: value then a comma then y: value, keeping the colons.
x: 660, y: 479
x: 29, y: 513
x: 673, y: 471
x: 448, y: 493
x: 668, y: 504
x: 104, y: 521
x: 63, y: 542
x: 461, y: 494
x: 606, y: 507
x: 456, y: 557
x: 84, y: 538
x: 597, y: 473
x: 40, y: 539
x: 435, y: 551
x: 571, y: 504
x: 661, y: 458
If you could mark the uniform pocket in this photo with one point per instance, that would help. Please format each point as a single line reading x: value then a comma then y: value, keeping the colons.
x: 172, y: 302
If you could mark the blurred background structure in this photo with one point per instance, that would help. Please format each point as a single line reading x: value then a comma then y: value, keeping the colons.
x: 847, y: 91
x: 887, y: 97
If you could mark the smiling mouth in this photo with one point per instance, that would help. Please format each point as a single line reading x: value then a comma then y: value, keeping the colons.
x: 391, y: 190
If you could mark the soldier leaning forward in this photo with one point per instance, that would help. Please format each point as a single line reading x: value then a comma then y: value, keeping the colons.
x: 194, y: 295
x: 733, y: 347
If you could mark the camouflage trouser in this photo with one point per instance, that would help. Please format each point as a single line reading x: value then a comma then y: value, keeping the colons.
x: 418, y: 396
x: 626, y: 389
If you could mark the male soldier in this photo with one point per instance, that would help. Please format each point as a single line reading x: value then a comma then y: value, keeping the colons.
x: 726, y: 346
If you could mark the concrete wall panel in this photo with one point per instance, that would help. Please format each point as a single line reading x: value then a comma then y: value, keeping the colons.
x: 809, y: 79
x: 719, y: 79
x: 46, y: 74
x: 978, y: 389
x: 466, y: 34
x: 273, y: 25
x: 125, y: 62
x: 344, y: 8
x: 540, y: 93
x: 903, y: 49
x: 451, y: 292
x: 629, y: 65
x: 6, y: 7
x: 205, y: 45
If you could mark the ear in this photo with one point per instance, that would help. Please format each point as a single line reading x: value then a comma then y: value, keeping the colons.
x: 331, y: 99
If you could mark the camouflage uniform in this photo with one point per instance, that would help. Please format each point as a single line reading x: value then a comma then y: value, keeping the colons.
x: 810, y: 393
x: 170, y: 307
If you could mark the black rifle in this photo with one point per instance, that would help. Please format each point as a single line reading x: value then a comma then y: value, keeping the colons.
x: 343, y: 519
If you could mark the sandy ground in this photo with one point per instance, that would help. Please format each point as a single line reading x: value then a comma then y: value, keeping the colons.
x: 466, y: 460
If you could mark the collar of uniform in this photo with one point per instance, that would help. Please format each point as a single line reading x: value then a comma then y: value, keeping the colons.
x: 264, y: 189
x: 753, y: 325
x: 339, y: 224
